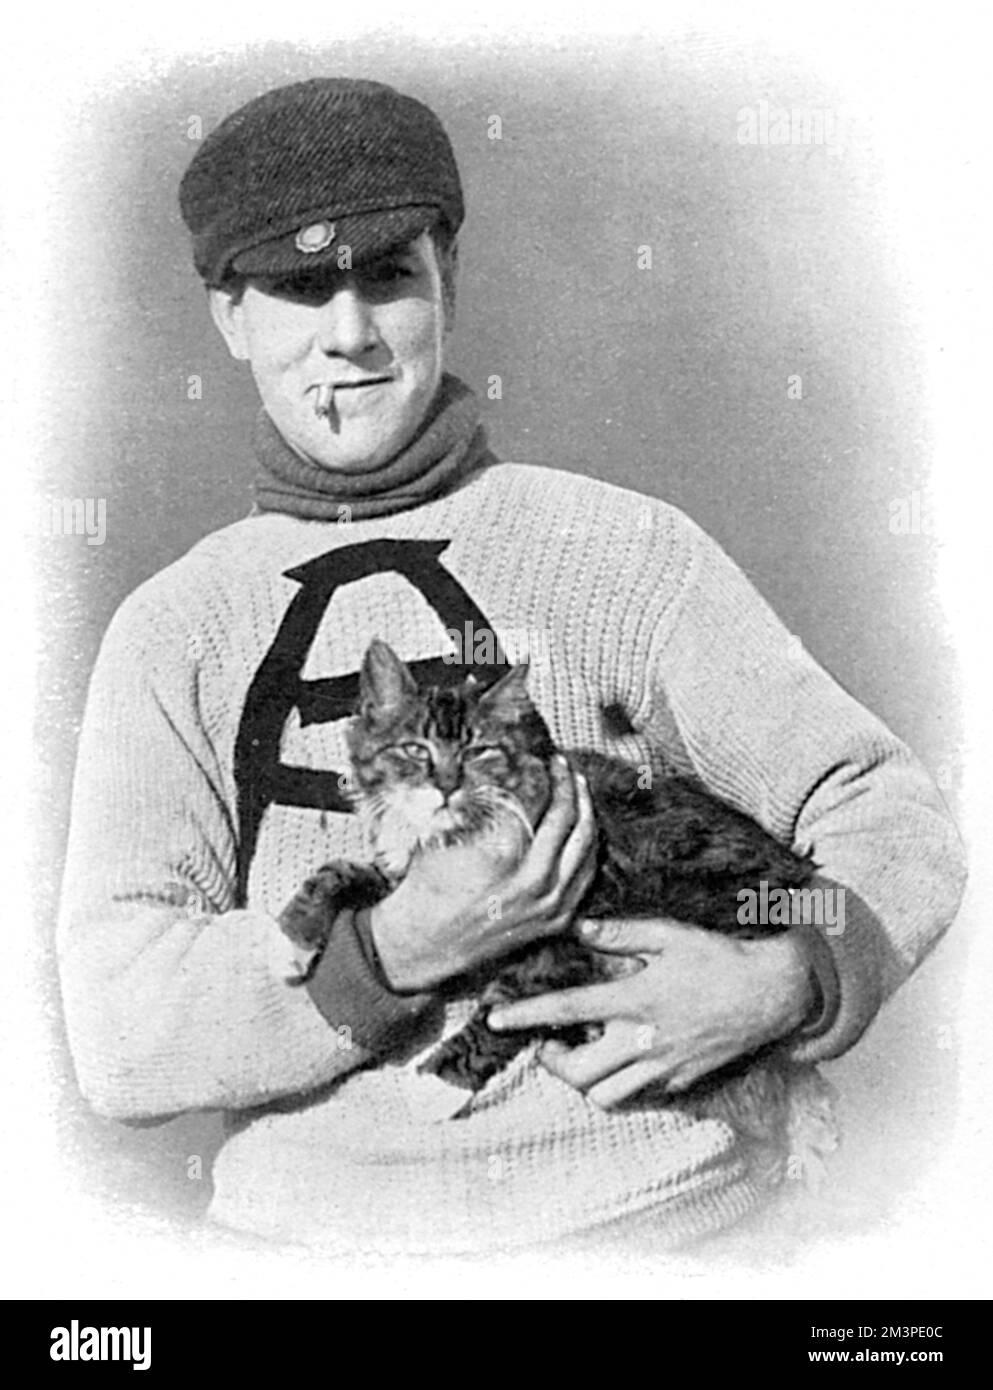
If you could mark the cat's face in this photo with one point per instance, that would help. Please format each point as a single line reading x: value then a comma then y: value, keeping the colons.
x: 438, y: 767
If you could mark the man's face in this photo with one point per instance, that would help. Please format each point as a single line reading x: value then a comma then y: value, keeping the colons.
x: 376, y: 332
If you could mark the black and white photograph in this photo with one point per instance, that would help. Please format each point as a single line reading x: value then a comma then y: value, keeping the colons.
x: 505, y: 811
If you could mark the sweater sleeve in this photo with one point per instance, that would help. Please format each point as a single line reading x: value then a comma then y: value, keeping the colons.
x: 350, y: 990
x: 174, y: 1000
x: 767, y: 729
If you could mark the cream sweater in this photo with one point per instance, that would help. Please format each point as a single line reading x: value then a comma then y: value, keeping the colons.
x: 175, y: 991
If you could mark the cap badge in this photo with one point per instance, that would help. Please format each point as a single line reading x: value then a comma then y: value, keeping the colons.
x: 317, y: 237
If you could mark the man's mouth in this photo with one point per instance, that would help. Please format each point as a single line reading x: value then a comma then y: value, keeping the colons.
x: 325, y: 391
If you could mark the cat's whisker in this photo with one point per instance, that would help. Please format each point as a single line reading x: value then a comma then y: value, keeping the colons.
x: 495, y: 799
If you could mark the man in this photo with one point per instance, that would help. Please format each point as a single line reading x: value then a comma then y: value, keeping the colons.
x: 212, y: 774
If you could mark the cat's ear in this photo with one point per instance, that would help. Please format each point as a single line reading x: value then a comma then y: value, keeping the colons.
x: 509, y: 695
x: 385, y: 683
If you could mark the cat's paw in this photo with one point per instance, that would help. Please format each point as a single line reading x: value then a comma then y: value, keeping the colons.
x: 308, y: 917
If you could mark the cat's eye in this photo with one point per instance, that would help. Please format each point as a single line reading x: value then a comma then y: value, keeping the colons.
x: 483, y: 750
x: 415, y: 750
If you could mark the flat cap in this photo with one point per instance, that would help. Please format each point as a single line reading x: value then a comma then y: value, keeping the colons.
x: 284, y: 183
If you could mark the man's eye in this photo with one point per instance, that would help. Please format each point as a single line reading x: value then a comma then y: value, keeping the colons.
x: 301, y: 289
x: 388, y: 273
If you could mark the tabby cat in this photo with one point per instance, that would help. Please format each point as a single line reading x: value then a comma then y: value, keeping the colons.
x: 438, y: 767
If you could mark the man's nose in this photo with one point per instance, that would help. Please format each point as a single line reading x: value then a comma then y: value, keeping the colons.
x: 345, y: 324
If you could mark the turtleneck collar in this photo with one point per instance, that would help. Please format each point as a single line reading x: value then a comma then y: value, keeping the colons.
x: 450, y: 445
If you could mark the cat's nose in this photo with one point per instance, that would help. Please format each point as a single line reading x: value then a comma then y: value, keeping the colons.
x: 446, y: 779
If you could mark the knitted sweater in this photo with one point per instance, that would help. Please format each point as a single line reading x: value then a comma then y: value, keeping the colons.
x: 175, y: 979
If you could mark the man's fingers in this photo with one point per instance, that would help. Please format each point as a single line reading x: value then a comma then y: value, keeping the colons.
x: 627, y: 1082
x: 584, y: 1066
x: 564, y: 840
x: 577, y: 882
x: 561, y: 814
x: 586, y: 1004
x: 553, y: 864
x: 629, y: 936
x: 579, y: 850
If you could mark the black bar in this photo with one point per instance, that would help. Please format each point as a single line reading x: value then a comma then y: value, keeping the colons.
x: 693, y: 1339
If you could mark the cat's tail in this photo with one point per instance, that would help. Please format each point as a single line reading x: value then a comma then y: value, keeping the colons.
x: 811, y: 1127
x: 782, y: 1115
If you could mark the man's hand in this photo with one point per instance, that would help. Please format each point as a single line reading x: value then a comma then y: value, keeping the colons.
x: 699, y: 1000
x: 459, y: 908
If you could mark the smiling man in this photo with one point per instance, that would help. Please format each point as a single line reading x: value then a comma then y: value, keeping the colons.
x: 213, y: 770
x: 347, y: 361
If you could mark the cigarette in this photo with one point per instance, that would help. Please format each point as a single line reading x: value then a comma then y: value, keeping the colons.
x: 325, y: 395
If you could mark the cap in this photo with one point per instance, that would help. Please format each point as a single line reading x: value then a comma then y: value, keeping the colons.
x: 284, y: 183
